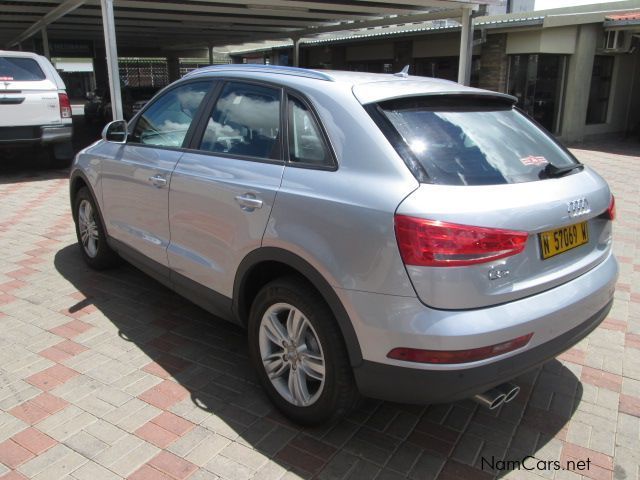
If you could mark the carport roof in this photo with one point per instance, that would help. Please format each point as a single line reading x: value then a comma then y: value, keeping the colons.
x: 174, y: 24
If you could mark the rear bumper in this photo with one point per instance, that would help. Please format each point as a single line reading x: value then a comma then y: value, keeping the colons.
x: 558, y: 318
x: 56, y: 134
x: 410, y: 385
x: 34, y: 135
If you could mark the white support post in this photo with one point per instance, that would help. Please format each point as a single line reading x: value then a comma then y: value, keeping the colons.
x: 45, y: 43
x: 296, y: 51
x: 111, y: 49
x: 466, y: 47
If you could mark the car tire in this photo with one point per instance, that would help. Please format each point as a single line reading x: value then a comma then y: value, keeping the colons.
x: 296, y: 386
x: 61, y: 155
x: 90, y: 232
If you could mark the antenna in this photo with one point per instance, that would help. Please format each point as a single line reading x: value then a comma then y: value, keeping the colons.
x: 404, y: 73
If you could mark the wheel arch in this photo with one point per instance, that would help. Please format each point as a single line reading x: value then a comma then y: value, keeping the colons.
x: 267, y: 263
x: 76, y: 182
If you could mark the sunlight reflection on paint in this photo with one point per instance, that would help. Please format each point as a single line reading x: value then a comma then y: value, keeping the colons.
x: 418, y: 146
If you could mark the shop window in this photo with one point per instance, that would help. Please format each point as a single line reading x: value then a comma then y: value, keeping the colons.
x: 445, y: 67
x: 537, y: 80
x: 600, y: 89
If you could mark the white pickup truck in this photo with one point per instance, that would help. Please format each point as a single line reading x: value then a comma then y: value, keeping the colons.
x: 34, y: 106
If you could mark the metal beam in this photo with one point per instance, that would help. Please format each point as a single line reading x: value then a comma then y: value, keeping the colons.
x: 296, y: 51
x: 60, y: 11
x: 211, y: 18
x: 170, y: 26
x: 246, y: 10
x: 45, y: 43
x: 271, y: 8
x: 398, y: 20
x: 390, y: 9
x: 112, y: 58
x: 440, y: 3
x: 466, y: 47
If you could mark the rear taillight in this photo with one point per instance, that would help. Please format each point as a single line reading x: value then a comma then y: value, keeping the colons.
x: 458, y: 356
x: 65, y: 105
x: 611, y: 211
x: 432, y: 243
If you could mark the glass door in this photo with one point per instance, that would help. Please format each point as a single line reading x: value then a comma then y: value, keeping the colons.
x: 537, y: 80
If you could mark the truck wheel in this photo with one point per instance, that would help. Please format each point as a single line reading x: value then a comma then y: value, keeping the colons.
x: 61, y: 155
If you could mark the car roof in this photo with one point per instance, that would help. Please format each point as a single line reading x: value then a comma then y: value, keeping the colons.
x: 367, y: 87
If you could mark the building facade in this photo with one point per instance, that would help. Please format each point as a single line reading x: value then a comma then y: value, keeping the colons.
x: 575, y: 70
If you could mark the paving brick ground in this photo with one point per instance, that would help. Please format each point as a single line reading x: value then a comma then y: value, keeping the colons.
x: 110, y: 375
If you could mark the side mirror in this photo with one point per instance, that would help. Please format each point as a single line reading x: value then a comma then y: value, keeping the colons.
x: 115, y: 132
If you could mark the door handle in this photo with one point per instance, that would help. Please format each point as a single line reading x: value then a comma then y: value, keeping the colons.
x: 249, y: 202
x: 158, y: 181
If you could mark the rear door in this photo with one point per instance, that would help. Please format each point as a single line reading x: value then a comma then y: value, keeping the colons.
x: 494, y: 183
x: 27, y: 95
x: 135, y: 181
x: 222, y: 191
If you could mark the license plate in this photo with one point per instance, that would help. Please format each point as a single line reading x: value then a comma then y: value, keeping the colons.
x: 560, y: 240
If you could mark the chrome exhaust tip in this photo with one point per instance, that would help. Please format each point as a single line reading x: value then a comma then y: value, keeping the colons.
x: 510, y: 391
x: 503, y: 393
x: 491, y: 399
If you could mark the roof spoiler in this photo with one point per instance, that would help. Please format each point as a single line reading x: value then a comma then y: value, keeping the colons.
x: 273, y: 69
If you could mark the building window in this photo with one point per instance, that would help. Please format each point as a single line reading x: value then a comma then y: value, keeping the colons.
x: 537, y: 80
x: 372, y: 66
x: 600, y: 89
x: 445, y: 67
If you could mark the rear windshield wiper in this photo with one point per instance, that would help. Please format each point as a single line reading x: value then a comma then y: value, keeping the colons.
x: 551, y: 171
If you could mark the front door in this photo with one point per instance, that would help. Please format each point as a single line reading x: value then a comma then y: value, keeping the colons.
x: 135, y: 183
x: 221, y: 196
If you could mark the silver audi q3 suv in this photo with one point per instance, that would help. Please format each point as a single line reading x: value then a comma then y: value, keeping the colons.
x: 399, y: 237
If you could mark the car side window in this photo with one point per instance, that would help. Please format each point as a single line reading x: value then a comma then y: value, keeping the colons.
x: 166, y: 122
x: 245, y: 121
x: 306, y: 145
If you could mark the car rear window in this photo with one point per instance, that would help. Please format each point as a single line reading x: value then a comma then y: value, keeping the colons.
x: 461, y: 141
x: 20, y: 69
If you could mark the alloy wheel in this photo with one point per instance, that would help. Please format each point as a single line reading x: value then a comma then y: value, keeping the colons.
x: 291, y: 354
x: 88, y: 228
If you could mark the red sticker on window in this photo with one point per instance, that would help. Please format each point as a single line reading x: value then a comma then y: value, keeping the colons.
x: 534, y: 161
x: 5, y: 79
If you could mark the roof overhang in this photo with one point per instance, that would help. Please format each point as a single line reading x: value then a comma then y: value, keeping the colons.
x: 624, y: 20
x: 171, y: 24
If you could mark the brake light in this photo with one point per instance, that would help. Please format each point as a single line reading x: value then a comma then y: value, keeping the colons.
x: 458, y: 356
x: 65, y: 105
x: 611, y: 211
x: 440, y: 244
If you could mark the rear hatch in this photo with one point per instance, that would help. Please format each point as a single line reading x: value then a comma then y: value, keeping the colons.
x: 27, y: 96
x: 502, y: 212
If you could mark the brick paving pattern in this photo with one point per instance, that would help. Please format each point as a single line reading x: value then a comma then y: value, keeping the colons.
x: 110, y: 375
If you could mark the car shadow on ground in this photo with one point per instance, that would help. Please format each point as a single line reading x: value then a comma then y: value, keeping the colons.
x: 23, y: 165
x: 29, y: 164
x: 209, y: 358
